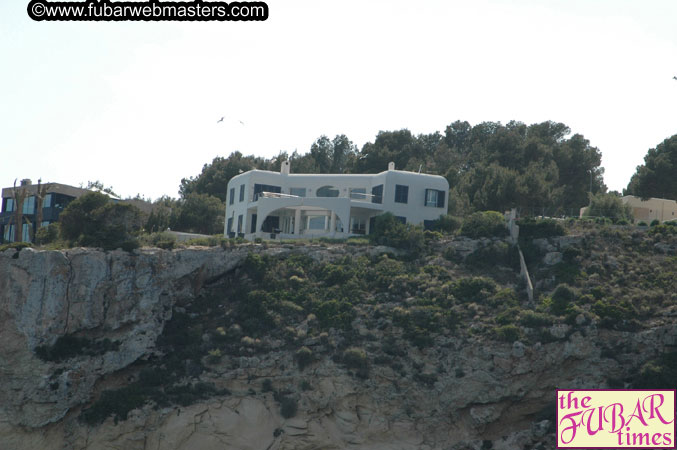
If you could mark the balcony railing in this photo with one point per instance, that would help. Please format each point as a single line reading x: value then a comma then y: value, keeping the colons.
x: 360, y: 197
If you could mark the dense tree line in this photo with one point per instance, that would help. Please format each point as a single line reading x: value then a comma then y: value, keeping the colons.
x: 489, y: 166
x: 657, y: 177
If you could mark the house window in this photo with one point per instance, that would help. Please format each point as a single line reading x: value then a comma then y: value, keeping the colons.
x: 232, y: 196
x: 9, y: 205
x: 47, y: 201
x: 358, y: 225
x: 401, y: 193
x: 239, y: 223
x: 377, y: 194
x: 435, y: 198
x: 401, y: 219
x: 358, y: 193
x: 327, y: 191
x: 9, y: 233
x: 317, y: 222
x: 299, y: 192
x: 26, y: 232
x: 242, y: 192
x: 44, y: 223
x: 29, y: 205
x: 260, y: 188
x: 252, y: 229
x: 230, y: 225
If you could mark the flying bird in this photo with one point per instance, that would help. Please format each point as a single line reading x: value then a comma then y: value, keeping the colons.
x: 241, y: 122
x: 220, y: 120
x: 674, y: 78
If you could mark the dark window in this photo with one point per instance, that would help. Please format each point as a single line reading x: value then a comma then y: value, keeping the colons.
x: 327, y: 191
x: 230, y: 225
x: 271, y: 224
x: 253, y: 227
x: 372, y: 224
x: 259, y: 188
x: 428, y: 224
x: 435, y: 198
x: 232, y: 196
x: 401, y: 193
x: 239, y: 223
x: 8, y: 204
x: 377, y: 193
x: 242, y: 192
x: 401, y: 219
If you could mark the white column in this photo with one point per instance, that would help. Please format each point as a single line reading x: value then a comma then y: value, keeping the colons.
x: 332, y: 224
x: 297, y: 222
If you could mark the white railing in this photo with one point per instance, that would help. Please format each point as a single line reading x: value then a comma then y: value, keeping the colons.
x: 360, y: 197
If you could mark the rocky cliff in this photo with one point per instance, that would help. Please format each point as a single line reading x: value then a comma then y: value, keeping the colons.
x: 399, y: 372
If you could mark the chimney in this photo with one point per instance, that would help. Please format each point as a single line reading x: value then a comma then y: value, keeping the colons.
x: 284, y: 168
x: 391, y: 165
x: 26, y: 182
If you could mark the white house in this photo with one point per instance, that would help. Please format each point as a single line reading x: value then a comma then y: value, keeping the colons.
x: 267, y: 204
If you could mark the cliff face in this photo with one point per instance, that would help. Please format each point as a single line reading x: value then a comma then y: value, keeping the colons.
x: 125, y: 298
x: 461, y: 389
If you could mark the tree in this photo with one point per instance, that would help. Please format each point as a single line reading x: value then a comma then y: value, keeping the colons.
x: 215, y: 176
x: 93, y: 220
x: 40, y: 193
x: 608, y: 205
x: 18, y: 195
x: 657, y: 177
x: 201, y: 213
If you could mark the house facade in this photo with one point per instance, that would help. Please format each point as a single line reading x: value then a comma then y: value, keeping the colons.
x: 651, y: 209
x: 56, y: 197
x: 269, y: 204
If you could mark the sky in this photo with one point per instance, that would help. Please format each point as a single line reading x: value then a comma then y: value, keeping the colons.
x: 135, y: 105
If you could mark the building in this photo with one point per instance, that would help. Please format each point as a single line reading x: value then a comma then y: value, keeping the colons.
x: 651, y: 209
x: 56, y: 197
x: 269, y: 204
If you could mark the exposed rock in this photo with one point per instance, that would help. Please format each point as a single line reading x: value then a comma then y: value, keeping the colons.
x: 552, y: 258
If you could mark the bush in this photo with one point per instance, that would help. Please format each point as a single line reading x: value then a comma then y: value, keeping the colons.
x: 654, y: 223
x: 608, y: 206
x: 508, y: 333
x: 355, y: 358
x: 476, y: 289
x: 94, y: 221
x: 48, y: 234
x: 484, y: 224
x: 445, y: 224
x: 561, y: 299
x: 18, y: 246
x: 388, y: 230
x: 304, y: 356
x: 288, y: 407
x: 531, y: 228
x: 161, y: 239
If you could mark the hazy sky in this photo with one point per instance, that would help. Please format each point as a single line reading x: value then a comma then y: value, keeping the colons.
x: 135, y: 104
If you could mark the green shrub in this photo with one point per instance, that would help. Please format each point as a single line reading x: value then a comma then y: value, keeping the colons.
x: 475, y: 289
x: 607, y: 207
x: 160, y: 239
x: 388, y: 230
x: 48, y: 234
x: 484, y: 224
x: 654, y: 223
x: 641, y: 223
x: 533, y: 319
x: 532, y: 228
x: 304, y: 356
x: 94, y: 221
x: 69, y: 346
x: 561, y: 299
x: 15, y: 245
x: 288, y: 407
x: 445, y: 224
x: 508, y: 333
x: 335, y: 313
x: 355, y: 358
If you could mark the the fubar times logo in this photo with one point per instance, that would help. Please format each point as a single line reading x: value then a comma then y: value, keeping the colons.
x: 616, y: 418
